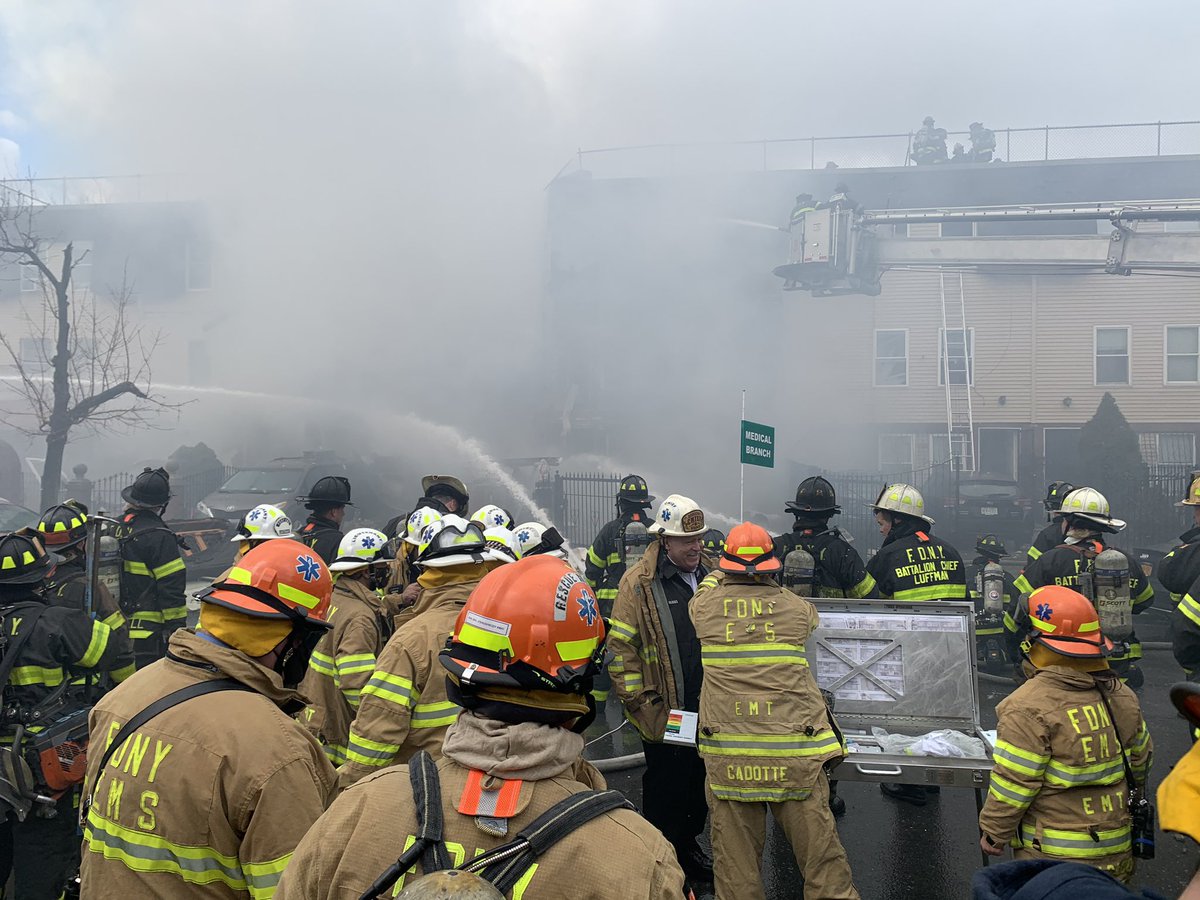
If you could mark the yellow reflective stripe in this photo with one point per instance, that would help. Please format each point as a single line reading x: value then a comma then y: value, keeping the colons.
x: 633, y: 683
x: 352, y: 696
x: 96, y: 646
x: 1034, y: 554
x: 1010, y: 792
x: 142, y: 852
x: 753, y: 654
x: 1041, y: 625
x: 595, y: 558
x: 355, y: 662
x: 649, y: 653
x: 140, y: 634
x: 606, y: 593
x: 435, y: 715
x: 23, y: 676
x: 758, y: 794
x: 1145, y: 595
x: 1190, y: 607
x: 1140, y: 740
x: 336, y: 753
x: 147, y: 615
x: 115, y: 621
x: 477, y: 637
x: 370, y: 753
x: 262, y: 878
x: 1079, y: 844
x: 322, y: 664
x: 133, y: 567
x: 171, y: 613
x: 1020, y: 760
x: 863, y: 588
x: 614, y: 559
x: 392, y: 688
x: 170, y: 568
x: 304, y: 598
x: 1010, y: 624
x: 622, y: 631
x: 934, y: 592
x: 569, y: 651
x: 1023, y: 584
x: 782, y: 745
x: 1062, y: 774
x: 119, y: 675
x: 984, y: 632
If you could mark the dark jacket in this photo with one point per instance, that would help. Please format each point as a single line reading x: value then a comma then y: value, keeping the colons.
x: 323, y: 536
x: 605, y: 565
x: 68, y: 588
x: 840, y: 571
x: 1047, y: 879
x: 1185, y: 628
x: 914, y: 565
x: 153, y: 581
x: 1179, y: 569
x: 1047, y: 539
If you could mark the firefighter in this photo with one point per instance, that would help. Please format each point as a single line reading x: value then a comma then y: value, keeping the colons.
x: 1087, y: 519
x: 1179, y: 569
x: 64, y: 530
x: 445, y: 493
x: 492, y: 516
x: 752, y: 634
x: 326, y: 503
x: 912, y: 564
x: 208, y: 797
x: 52, y: 643
x: 1059, y: 785
x: 1185, y: 634
x: 404, y: 707
x: 402, y: 577
x: 263, y: 523
x: 804, y: 204
x: 713, y: 543
x: 535, y: 539
x: 838, y: 570
x: 1050, y: 536
x: 656, y: 668
x: 605, y: 561
x: 343, y: 661
x: 520, y: 669
x: 995, y: 594
x: 153, y: 576
x: 929, y: 144
x: 983, y: 142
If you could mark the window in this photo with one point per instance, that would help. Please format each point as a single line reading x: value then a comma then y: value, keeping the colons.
x: 198, y: 265
x: 939, y: 449
x: 891, y: 358
x: 958, y: 354
x: 52, y: 256
x: 35, y: 355
x: 1182, y: 363
x: 1168, y: 448
x: 1112, y: 355
x: 896, y: 452
x: 958, y: 229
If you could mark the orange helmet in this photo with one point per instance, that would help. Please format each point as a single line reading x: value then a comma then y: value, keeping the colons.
x: 749, y: 550
x: 531, y: 627
x: 277, y: 580
x: 1066, y: 622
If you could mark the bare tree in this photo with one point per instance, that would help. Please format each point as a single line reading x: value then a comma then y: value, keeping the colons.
x: 99, y: 365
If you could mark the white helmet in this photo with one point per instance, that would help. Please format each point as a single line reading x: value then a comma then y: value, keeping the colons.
x: 452, y: 541
x: 502, y: 545
x: 535, y: 539
x: 903, y: 499
x: 264, y: 523
x: 492, y: 516
x: 418, y: 524
x: 359, y: 548
x: 679, y: 516
x: 1092, y: 506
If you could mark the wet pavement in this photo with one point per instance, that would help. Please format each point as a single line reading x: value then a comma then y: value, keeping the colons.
x: 902, y: 852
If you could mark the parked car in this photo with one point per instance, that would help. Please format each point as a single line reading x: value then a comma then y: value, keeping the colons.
x: 986, y: 505
x: 14, y: 516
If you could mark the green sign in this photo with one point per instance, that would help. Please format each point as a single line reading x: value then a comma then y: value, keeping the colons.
x: 758, y: 444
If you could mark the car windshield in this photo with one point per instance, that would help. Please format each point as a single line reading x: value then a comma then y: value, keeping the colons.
x: 979, y: 490
x: 262, y: 481
x: 13, y: 517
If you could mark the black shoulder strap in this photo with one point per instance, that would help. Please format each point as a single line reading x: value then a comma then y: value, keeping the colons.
x: 1133, y: 784
x: 161, y: 705
x: 13, y: 650
x: 503, y: 866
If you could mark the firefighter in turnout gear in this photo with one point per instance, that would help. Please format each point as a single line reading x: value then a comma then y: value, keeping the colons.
x: 1179, y: 573
x: 326, y: 502
x: 153, y: 576
x: 404, y: 707
x: 765, y: 733
x: 403, y: 572
x: 1083, y: 561
x: 994, y: 594
x: 656, y: 668
x: 64, y: 530
x: 343, y: 661
x: 520, y: 656
x: 837, y: 569
x: 912, y: 564
x: 1067, y: 741
x: 1050, y: 536
x: 714, y: 543
x: 605, y: 558
x: 52, y: 645
x: 209, y: 793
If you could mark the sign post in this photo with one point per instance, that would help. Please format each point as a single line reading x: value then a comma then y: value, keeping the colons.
x: 757, y: 444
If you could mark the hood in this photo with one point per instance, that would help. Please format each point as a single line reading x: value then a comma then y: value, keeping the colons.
x: 1190, y: 536
x: 190, y: 648
x: 906, y: 526
x: 1074, y: 680
x: 526, y: 751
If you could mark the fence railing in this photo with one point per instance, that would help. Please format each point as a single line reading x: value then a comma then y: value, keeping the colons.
x: 1037, y: 144
x: 87, y: 190
x: 186, y: 490
x: 580, y: 503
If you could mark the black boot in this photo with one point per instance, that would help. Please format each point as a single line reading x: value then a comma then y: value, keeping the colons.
x: 837, y: 805
x: 909, y: 793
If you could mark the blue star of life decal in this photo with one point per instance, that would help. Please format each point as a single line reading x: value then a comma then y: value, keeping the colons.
x: 256, y: 514
x: 587, y: 608
x: 666, y: 515
x: 368, y: 542
x: 309, y: 568
x: 1044, y: 612
x: 523, y: 535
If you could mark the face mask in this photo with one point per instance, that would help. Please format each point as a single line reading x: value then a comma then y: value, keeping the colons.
x: 293, y: 664
x: 377, y: 577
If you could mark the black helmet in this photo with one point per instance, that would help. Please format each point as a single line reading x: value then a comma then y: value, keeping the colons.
x: 330, y: 490
x: 714, y: 542
x: 634, y: 491
x: 814, y: 495
x: 23, y: 559
x: 1056, y: 491
x: 990, y: 545
x: 434, y: 486
x: 152, y: 488
x: 64, y: 525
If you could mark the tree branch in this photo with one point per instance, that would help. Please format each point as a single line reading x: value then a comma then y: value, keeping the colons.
x: 84, y: 408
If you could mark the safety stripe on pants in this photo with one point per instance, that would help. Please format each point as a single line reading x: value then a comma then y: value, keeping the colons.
x: 1077, y: 844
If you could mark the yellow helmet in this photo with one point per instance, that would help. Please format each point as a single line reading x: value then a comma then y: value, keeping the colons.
x: 1092, y: 506
x: 1192, y: 496
x: 903, y: 499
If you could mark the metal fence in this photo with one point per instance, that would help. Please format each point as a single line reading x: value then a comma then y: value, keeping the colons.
x: 1153, y: 517
x: 579, y: 503
x: 186, y: 490
x: 83, y: 191
x: 1035, y: 144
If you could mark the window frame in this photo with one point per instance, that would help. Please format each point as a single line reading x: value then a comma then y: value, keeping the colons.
x: 875, y: 357
x: 1167, y: 355
x: 1158, y: 436
x: 912, y: 448
x: 189, y: 285
x: 1096, y: 329
x: 942, y: 345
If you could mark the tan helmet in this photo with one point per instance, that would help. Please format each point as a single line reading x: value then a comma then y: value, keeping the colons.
x: 450, y: 883
x: 1192, y: 496
x: 1092, y: 506
x: 903, y: 499
x: 679, y: 516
